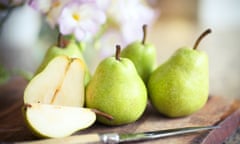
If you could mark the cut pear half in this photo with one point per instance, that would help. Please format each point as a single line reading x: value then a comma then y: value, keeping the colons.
x: 54, y: 121
x: 60, y: 83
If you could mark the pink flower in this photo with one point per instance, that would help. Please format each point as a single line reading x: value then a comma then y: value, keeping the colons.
x: 129, y: 16
x: 50, y: 8
x: 55, y: 11
x: 82, y: 19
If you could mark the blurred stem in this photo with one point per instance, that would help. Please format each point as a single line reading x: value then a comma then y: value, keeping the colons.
x: 60, y: 41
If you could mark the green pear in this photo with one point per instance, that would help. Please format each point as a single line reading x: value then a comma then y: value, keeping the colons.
x: 180, y: 86
x: 143, y: 55
x: 61, y: 83
x: 54, y: 121
x: 117, y: 89
x: 72, y: 50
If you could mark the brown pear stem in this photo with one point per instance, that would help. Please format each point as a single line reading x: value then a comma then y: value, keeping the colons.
x: 25, y: 106
x: 60, y: 41
x: 102, y: 114
x: 118, y: 51
x: 206, y: 32
x: 144, y: 34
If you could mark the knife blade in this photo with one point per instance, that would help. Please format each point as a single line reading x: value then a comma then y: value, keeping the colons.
x: 162, y: 133
x: 114, y: 138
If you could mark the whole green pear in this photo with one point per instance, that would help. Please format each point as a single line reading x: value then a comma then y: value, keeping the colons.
x: 143, y: 55
x: 180, y: 86
x: 117, y: 89
x: 72, y: 50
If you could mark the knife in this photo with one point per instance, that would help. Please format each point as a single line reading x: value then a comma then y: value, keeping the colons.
x: 114, y: 138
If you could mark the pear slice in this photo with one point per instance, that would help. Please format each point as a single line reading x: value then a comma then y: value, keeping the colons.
x: 60, y: 83
x: 53, y: 121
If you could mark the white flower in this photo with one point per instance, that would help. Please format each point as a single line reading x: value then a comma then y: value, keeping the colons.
x: 84, y: 17
x: 108, y: 41
x: 81, y: 19
x: 51, y: 8
x: 129, y: 16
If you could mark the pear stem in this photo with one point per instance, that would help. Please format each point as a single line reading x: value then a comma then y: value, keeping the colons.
x: 25, y: 106
x: 60, y: 41
x: 144, y: 33
x: 102, y: 114
x: 118, y: 50
x: 206, y: 32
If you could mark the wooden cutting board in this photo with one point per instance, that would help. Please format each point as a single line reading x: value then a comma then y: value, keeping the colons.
x: 218, y: 110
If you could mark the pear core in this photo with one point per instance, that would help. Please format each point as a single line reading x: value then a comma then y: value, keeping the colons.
x: 60, y: 83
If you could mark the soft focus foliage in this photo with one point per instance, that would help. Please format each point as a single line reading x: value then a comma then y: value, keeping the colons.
x: 4, y: 75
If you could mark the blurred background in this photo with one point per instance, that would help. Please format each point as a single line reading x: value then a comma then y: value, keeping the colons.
x: 25, y: 38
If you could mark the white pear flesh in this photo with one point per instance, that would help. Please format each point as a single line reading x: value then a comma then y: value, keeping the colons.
x: 60, y: 83
x: 54, y: 121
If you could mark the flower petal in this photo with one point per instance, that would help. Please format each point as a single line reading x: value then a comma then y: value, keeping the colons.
x: 83, y: 19
x: 40, y: 5
x: 79, y: 33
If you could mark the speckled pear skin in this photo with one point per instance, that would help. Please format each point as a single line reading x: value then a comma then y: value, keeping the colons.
x: 117, y: 90
x: 143, y: 56
x: 180, y: 86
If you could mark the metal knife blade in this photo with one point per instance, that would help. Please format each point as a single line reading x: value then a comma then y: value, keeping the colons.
x: 162, y: 133
x: 114, y: 138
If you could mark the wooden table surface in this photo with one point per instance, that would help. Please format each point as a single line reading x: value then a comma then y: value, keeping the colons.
x: 218, y: 110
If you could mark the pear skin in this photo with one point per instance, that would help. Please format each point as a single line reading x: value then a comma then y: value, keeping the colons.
x: 143, y: 55
x: 180, y: 86
x: 117, y: 89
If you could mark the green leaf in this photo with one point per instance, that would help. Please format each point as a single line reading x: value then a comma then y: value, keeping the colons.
x: 4, y: 75
x: 25, y: 74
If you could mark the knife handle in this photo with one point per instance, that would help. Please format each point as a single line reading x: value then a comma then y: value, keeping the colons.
x: 77, y: 139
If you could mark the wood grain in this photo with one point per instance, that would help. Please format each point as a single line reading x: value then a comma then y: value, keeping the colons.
x: 217, y: 109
